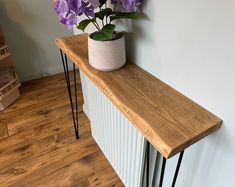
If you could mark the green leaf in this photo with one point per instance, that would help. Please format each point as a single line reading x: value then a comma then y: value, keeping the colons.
x: 125, y: 15
x: 104, y: 12
x: 99, y: 36
x: 106, y: 33
x: 108, y: 30
x: 84, y: 23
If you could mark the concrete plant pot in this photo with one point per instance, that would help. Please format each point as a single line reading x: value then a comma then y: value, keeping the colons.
x: 107, y: 55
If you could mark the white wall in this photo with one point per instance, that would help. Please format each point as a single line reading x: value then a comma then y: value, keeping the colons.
x: 190, y: 45
x: 30, y: 27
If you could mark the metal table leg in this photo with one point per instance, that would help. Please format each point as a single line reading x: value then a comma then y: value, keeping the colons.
x: 147, y: 153
x: 67, y: 78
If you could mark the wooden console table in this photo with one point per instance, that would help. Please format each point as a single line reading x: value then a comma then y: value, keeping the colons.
x: 169, y: 121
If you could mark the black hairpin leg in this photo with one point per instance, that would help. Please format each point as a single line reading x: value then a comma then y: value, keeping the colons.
x: 147, y: 163
x: 147, y: 153
x: 177, y: 168
x: 162, y: 171
x: 67, y: 78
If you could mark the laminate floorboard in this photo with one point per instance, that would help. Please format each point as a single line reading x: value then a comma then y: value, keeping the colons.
x: 37, y: 142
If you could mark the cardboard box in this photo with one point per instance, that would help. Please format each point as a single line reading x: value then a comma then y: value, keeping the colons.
x: 3, y: 51
x: 8, y: 99
x: 9, y: 81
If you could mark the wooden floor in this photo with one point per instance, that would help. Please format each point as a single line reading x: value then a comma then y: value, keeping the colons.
x: 38, y: 146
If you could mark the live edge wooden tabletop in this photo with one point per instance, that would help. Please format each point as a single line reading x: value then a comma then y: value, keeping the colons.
x: 170, y: 121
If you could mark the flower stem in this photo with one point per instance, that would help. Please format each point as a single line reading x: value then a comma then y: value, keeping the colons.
x: 94, y: 23
x: 114, y: 7
x: 102, y: 19
x: 106, y: 17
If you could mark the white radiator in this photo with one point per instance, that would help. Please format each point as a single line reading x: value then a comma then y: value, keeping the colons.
x: 121, y: 143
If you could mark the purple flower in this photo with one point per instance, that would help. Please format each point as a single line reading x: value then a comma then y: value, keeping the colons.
x: 61, y: 6
x: 68, y: 10
x: 66, y: 15
x: 74, y: 5
x: 130, y: 5
x: 87, y: 10
x: 56, y: 5
x: 69, y: 20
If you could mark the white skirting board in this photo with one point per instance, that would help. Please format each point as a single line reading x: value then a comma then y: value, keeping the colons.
x: 119, y: 140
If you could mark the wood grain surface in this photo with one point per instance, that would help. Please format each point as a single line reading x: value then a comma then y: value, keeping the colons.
x: 41, y: 149
x: 170, y: 121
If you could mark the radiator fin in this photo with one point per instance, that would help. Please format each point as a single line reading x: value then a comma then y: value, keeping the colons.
x: 120, y: 142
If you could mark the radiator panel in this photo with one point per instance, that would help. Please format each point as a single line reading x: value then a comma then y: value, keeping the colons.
x: 120, y: 142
